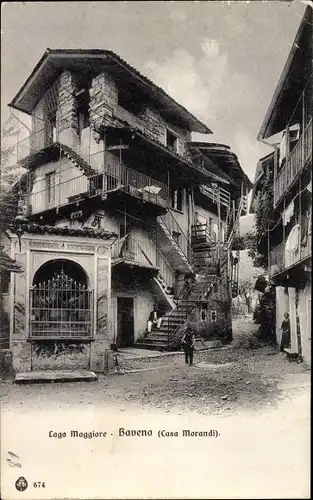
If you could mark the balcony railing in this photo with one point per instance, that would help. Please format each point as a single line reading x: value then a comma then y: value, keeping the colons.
x: 143, y: 252
x: 32, y: 143
x: 66, y: 190
x: 166, y: 271
x: 212, y: 193
x: 281, y: 258
x: 122, y: 178
x: 202, y: 234
x: 295, y: 162
x: 177, y: 233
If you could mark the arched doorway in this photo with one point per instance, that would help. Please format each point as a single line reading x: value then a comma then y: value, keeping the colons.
x: 61, y: 301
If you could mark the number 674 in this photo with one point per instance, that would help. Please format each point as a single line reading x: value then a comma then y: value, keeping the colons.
x: 39, y: 484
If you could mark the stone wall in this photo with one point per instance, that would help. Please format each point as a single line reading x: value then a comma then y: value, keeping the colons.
x: 104, y: 108
x: 103, y: 100
x: 67, y: 118
x: 56, y: 355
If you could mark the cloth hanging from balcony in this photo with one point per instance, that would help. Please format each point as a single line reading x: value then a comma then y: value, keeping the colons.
x: 283, y: 148
x: 304, y: 229
x: 292, y: 246
x: 120, y: 245
x: 288, y: 213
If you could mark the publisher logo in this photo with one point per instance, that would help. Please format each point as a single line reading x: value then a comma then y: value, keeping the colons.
x: 21, y: 484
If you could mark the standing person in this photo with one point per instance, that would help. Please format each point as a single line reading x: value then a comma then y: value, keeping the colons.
x: 285, y: 332
x: 188, y: 342
x: 155, y: 319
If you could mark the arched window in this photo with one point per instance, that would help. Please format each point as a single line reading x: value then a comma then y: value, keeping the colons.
x: 61, y: 301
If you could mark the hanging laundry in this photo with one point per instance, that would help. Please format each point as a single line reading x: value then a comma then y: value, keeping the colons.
x: 288, y: 213
x: 292, y: 246
x: 283, y: 148
x: 294, y: 132
x: 304, y: 228
x: 309, y: 187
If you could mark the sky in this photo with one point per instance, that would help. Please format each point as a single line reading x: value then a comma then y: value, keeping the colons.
x: 221, y: 60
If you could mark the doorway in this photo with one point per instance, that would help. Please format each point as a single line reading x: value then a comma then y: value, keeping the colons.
x: 125, y: 322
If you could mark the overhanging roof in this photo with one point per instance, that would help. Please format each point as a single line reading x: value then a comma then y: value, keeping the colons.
x: 87, y: 61
x: 199, y: 172
x: 292, y: 80
x: 223, y: 158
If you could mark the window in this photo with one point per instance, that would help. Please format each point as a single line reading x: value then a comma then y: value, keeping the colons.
x: 82, y: 97
x: 50, y: 128
x: 213, y: 316
x: 177, y: 199
x: 203, y: 313
x: 171, y: 140
x: 83, y: 117
x: 50, y: 187
x: 129, y: 100
x: 176, y: 236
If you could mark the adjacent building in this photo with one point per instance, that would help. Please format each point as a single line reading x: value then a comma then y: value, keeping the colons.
x: 118, y: 210
x: 287, y: 126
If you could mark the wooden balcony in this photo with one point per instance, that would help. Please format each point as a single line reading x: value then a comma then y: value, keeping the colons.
x: 119, y: 178
x: 299, y: 157
x: 281, y: 259
x: 110, y: 181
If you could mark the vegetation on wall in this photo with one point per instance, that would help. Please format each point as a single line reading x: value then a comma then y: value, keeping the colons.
x: 265, y: 219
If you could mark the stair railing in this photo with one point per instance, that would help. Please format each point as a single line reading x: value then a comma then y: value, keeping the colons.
x: 173, y: 227
x: 193, y: 304
x: 167, y: 273
x: 236, y: 222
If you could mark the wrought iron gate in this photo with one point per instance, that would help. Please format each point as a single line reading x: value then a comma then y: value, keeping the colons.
x: 61, y: 308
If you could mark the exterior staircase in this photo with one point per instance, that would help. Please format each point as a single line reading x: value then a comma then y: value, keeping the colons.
x: 175, y: 244
x: 158, y: 339
x: 209, y: 259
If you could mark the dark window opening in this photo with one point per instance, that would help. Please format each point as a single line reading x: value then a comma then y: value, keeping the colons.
x: 83, y: 99
x: 50, y: 187
x: 130, y: 101
x: 176, y: 236
x: 171, y: 140
x: 177, y: 199
x: 50, y: 128
x: 213, y: 316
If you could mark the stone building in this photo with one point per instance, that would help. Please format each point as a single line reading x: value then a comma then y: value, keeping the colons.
x: 118, y: 210
x: 287, y: 126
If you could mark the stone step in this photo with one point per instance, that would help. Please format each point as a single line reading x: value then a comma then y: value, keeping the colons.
x: 154, y: 339
x: 151, y: 347
x: 55, y: 376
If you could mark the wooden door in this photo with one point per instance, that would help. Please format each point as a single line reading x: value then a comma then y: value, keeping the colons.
x: 125, y: 322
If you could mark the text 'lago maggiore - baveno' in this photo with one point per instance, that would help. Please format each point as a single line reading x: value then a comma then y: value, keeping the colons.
x: 142, y: 433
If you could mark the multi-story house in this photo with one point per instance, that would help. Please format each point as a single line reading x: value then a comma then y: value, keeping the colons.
x: 119, y: 209
x: 287, y: 126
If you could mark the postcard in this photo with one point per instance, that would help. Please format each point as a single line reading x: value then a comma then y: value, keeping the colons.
x: 155, y: 257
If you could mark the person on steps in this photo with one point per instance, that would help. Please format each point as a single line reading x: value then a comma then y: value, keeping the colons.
x: 188, y: 342
x: 155, y: 319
